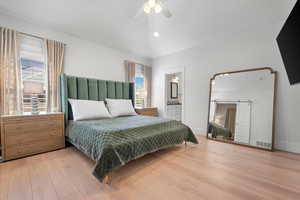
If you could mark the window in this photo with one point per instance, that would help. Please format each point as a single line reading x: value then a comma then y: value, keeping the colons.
x: 33, y: 71
x: 140, y: 90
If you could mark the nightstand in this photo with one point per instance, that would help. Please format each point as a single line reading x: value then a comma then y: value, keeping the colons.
x: 24, y: 135
x: 147, y: 111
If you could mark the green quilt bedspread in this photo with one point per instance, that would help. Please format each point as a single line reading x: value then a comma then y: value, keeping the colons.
x: 114, y: 142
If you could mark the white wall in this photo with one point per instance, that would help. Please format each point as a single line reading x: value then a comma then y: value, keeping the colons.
x: 228, y: 53
x: 83, y: 58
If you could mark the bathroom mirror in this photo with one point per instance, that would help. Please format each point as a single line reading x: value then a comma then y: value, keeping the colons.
x: 241, y: 107
x: 174, y: 90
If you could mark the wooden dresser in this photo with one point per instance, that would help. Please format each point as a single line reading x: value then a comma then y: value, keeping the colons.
x: 24, y: 135
x: 147, y: 111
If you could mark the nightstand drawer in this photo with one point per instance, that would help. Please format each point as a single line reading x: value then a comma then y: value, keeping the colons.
x: 32, y: 118
x: 21, y: 150
x: 147, y: 111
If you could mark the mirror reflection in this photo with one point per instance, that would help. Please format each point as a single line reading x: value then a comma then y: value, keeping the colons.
x: 241, y: 108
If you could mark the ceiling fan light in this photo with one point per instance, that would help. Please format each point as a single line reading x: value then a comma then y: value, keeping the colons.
x: 158, y: 8
x: 147, y: 8
x: 152, y: 3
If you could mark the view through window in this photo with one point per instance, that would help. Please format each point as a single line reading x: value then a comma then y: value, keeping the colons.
x: 139, y: 87
x: 33, y: 71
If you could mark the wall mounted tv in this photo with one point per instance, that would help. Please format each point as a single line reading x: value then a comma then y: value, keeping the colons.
x: 289, y: 44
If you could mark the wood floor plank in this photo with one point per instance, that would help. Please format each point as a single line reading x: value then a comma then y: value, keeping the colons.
x: 4, y: 180
x: 42, y: 186
x: 80, y: 177
x: 64, y: 188
x: 237, y: 181
x: 19, y: 185
x: 210, y: 170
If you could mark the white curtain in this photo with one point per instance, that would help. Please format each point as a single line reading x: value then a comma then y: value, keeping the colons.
x: 55, y: 59
x: 129, y: 71
x: 10, y: 74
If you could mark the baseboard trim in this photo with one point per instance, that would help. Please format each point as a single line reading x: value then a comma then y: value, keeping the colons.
x: 293, y: 147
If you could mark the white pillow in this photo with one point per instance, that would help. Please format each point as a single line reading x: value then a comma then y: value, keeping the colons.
x: 120, y: 107
x: 85, y: 109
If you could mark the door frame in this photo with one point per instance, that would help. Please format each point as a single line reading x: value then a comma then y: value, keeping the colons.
x: 165, y: 97
x: 250, y: 119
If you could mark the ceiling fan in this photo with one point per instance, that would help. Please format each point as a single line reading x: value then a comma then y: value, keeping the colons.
x: 156, y: 7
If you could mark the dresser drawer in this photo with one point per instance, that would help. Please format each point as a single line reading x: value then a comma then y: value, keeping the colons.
x: 32, y: 137
x: 29, y: 127
x: 31, y: 118
x: 17, y: 151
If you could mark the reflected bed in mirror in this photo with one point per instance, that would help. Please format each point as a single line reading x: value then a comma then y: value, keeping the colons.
x: 241, y: 107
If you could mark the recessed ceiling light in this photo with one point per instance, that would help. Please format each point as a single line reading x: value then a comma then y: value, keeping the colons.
x: 156, y: 34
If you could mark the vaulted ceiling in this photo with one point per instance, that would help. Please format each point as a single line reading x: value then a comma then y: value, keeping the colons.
x: 113, y: 22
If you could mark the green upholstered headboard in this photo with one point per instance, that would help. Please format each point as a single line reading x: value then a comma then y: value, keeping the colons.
x: 72, y: 87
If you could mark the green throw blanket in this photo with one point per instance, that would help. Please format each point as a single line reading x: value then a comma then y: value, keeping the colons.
x: 114, y: 142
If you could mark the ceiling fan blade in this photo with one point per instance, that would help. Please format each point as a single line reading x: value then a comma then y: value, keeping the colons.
x: 166, y: 12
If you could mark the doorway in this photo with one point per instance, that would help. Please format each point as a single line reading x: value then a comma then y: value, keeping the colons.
x: 225, y: 115
x: 174, y: 98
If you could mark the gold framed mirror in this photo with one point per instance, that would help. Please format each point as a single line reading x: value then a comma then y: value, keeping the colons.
x: 242, y: 107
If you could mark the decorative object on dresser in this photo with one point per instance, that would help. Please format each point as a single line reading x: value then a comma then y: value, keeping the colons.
x: 24, y: 135
x: 147, y: 111
x: 34, y: 105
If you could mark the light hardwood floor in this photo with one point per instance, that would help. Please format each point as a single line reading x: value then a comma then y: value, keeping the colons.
x: 210, y: 170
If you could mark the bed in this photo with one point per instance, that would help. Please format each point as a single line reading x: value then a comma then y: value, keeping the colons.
x: 114, y: 142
